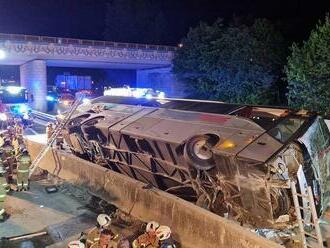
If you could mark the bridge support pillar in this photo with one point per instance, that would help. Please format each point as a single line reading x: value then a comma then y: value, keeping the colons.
x: 34, y: 79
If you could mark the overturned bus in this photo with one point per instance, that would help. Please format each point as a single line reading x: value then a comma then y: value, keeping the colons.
x: 234, y: 160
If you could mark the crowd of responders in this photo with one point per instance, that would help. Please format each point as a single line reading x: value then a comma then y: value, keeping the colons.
x: 15, y: 162
x: 102, y: 236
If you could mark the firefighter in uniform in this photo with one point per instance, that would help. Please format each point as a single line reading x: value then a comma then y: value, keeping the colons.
x: 4, y: 188
x: 18, y: 129
x: 93, y: 236
x: 23, y: 165
x: 149, y: 238
x: 49, y: 130
x: 106, y: 240
x: 8, y: 158
x: 2, y: 140
x: 155, y: 236
x: 15, y: 143
x: 59, y: 138
x: 76, y: 244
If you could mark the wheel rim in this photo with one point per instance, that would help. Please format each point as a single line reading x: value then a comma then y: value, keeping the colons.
x: 201, y: 151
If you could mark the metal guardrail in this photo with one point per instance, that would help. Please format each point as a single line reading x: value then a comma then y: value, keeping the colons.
x: 72, y: 41
x: 43, y: 116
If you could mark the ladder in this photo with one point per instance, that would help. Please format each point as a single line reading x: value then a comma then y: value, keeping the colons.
x: 56, y: 132
x: 311, y: 238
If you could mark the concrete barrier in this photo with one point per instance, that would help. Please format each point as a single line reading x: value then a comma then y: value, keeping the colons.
x: 192, y: 226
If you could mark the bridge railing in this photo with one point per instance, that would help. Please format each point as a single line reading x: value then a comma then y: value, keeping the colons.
x: 72, y: 41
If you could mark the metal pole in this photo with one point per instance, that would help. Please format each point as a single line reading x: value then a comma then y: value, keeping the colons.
x: 314, y: 216
x: 299, y: 218
x: 29, y: 235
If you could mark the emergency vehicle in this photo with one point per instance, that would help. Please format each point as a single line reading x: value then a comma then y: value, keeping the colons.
x: 14, y: 104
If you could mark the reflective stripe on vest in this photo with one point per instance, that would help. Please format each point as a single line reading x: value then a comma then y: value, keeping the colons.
x: 23, y: 171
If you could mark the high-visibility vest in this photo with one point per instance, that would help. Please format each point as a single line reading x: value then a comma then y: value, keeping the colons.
x: 93, y: 236
x: 3, y: 188
x: 23, y: 164
x: 2, y: 141
x: 15, y: 144
x: 8, y: 150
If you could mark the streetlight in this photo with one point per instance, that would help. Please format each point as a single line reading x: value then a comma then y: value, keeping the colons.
x: 2, y: 54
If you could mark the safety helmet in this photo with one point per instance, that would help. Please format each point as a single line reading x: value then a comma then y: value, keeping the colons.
x: 163, y: 232
x: 22, y: 148
x: 152, y: 226
x: 76, y: 244
x: 103, y: 220
x: 7, y: 141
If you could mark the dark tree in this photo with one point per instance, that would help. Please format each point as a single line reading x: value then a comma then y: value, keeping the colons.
x: 236, y: 63
x: 308, y: 71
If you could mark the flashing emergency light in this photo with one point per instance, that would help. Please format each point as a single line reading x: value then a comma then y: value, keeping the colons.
x: 23, y: 108
x: 134, y: 92
x: 86, y: 101
x: 50, y: 98
x: 14, y: 90
x: 148, y: 96
x: 26, y: 116
x: 2, y: 54
x: 118, y: 92
x: 138, y: 92
x: 3, y: 117
x: 161, y: 95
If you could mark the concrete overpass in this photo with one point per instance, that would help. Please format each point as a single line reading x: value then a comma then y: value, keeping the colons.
x: 34, y: 53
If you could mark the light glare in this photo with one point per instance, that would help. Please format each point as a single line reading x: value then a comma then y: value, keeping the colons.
x: 2, y: 54
x: 13, y: 89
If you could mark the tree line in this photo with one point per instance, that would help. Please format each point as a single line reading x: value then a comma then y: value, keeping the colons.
x: 252, y: 63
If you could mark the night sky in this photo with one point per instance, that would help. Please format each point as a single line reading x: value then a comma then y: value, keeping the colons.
x: 86, y: 18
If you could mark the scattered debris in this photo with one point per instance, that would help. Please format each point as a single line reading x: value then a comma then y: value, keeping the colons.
x: 51, y: 189
x: 26, y: 236
x: 281, y: 237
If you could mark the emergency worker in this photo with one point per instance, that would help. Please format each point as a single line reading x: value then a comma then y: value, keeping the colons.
x: 59, y: 138
x: 4, y: 188
x: 8, y: 158
x: 2, y: 140
x: 106, y: 240
x: 18, y: 129
x: 49, y: 131
x: 76, y: 244
x: 155, y: 237
x: 93, y: 236
x: 164, y: 235
x: 23, y: 165
x: 16, y: 145
x: 149, y: 238
x: 10, y: 128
